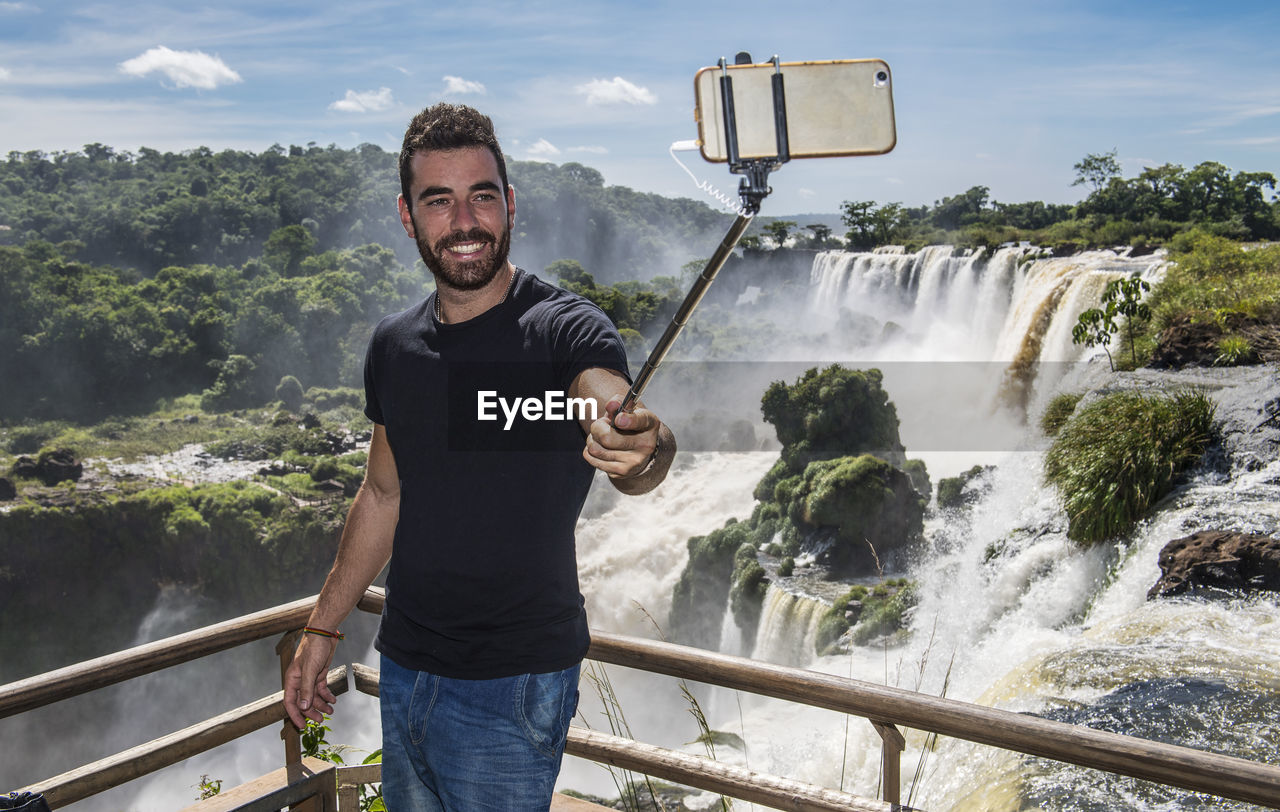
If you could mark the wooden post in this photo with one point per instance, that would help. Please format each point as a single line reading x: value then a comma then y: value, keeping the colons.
x: 292, y: 738
x: 891, y: 747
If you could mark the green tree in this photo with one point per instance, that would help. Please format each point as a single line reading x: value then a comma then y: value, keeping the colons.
x: 570, y: 273
x: 821, y: 235
x: 287, y: 247
x: 234, y: 387
x: 1122, y: 297
x: 779, y: 230
x: 871, y: 225
x: 961, y: 210
x: 1096, y: 170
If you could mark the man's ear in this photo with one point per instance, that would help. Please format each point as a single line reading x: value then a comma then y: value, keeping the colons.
x: 406, y: 217
x: 511, y: 207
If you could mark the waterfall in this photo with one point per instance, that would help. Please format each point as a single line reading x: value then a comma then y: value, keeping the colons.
x: 1011, y: 613
x: 991, y: 305
x: 788, y: 627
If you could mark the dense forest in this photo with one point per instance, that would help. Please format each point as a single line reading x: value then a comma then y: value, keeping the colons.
x: 129, y: 278
x: 150, y: 210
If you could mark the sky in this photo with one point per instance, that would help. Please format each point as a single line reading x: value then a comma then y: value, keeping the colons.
x: 1007, y: 95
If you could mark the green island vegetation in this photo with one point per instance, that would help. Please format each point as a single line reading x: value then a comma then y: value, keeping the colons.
x: 837, y: 494
x: 873, y: 611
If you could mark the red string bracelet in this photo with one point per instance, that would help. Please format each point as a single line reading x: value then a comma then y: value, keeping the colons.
x: 323, y: 633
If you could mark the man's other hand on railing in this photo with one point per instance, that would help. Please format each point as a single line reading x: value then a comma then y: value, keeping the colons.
x: 306, y: 692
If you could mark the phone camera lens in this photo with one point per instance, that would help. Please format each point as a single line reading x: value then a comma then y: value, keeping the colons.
x: 882, y: 78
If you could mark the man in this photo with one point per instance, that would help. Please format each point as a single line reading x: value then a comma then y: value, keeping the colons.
x: 475, y: 505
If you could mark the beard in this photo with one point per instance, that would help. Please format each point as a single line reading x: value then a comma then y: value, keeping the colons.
x: 471, y: 274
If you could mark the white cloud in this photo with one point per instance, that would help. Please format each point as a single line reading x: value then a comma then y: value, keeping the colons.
x: 543, y: 150
x: 456, y: 85
x: 594, y: 150
x: 183, y: 68
x: 405, y: 71
x: 616, y: 91
x: 367, y: 102
x: 5, y: 73
x: 805, y: 192
x: 16, y: 8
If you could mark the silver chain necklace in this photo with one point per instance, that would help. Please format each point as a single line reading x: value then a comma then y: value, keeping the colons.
x: 510, y: 284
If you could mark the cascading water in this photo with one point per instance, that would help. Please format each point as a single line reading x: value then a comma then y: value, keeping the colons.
x: 788, y: 626
x: 1011, y: 613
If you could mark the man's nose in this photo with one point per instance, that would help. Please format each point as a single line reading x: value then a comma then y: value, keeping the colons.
x: 464, y: 218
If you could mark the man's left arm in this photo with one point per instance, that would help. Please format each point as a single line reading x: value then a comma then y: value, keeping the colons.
x: 634, y: 448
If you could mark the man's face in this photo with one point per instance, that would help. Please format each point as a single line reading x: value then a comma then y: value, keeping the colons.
x: 459, y: 215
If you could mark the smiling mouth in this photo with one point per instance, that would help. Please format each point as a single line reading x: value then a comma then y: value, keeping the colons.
x: 467, y: 248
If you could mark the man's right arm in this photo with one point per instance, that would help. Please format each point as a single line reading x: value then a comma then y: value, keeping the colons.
x: 363, y: 552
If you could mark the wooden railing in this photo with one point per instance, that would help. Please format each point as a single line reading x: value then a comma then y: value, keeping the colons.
x: 883, y: 706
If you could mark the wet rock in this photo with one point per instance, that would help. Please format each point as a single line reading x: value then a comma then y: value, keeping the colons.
x: 25, y: 468
x: 1218, y: 560
x: 59, y: 465
x: 7, y: 489
x: 276, y: 468
x: 1186, y: 343
x: 52, y: 467
x: 852, y: 611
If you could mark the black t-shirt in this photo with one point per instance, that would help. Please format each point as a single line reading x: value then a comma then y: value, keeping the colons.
x: 483, y: 580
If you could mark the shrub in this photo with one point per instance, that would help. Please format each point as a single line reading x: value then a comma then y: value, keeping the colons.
x: 1234, y: 350
x: 323, y: 400
x: 786, y: 566
x: 1120, y: 454
x: 324, y: 468
x: 289, y: 392
x: 1058, y: 412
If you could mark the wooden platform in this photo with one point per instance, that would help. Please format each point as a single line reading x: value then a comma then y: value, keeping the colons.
x: 567, y: 803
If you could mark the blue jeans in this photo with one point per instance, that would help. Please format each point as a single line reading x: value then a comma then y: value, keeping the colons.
x: 454, y: 745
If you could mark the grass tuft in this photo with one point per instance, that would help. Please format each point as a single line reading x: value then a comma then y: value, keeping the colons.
x: 1121, y: 454
x: 1058, y: 412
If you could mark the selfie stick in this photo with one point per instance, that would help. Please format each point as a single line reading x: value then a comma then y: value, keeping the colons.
x: 753, y: 188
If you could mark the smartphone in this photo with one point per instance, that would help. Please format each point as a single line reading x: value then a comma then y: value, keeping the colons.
x: 834, y: 108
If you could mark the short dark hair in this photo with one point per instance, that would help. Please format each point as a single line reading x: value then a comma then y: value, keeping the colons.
x: 447, y: 126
